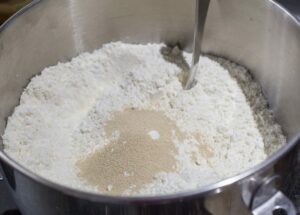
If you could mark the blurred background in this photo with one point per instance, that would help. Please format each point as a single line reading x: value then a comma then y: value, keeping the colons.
x: 292, y: 5
x: 9, y: 7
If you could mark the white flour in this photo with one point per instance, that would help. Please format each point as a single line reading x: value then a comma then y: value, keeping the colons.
x: 62, y: 112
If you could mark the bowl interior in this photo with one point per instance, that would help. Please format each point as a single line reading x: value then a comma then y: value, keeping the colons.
x: 257, y: 34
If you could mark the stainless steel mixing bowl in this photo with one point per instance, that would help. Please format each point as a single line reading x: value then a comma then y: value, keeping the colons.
x: 256, y: 33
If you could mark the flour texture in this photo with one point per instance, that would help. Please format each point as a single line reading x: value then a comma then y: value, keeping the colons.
x: 224, y: 121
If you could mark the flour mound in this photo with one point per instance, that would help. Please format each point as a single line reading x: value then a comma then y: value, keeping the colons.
x: 63, y: 112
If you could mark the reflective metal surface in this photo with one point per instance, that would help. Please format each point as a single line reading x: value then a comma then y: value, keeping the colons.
x: 200, y: 18
x: 267, y: 198
x: 258, y: 34
x: 276, y: 202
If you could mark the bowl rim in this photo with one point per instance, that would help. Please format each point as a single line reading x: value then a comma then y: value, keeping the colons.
x: 210, y: 189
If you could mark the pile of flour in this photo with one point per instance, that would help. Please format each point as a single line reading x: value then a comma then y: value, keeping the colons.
x: 63, y: 112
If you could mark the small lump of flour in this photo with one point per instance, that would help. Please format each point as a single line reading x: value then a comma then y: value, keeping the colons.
x: 117, y: 121
x: 154, y: 134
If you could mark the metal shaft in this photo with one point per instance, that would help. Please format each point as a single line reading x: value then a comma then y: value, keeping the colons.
x: 200, y: 18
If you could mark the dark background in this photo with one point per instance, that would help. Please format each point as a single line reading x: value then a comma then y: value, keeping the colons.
x: 292, y: 5
x: 7, y: 7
